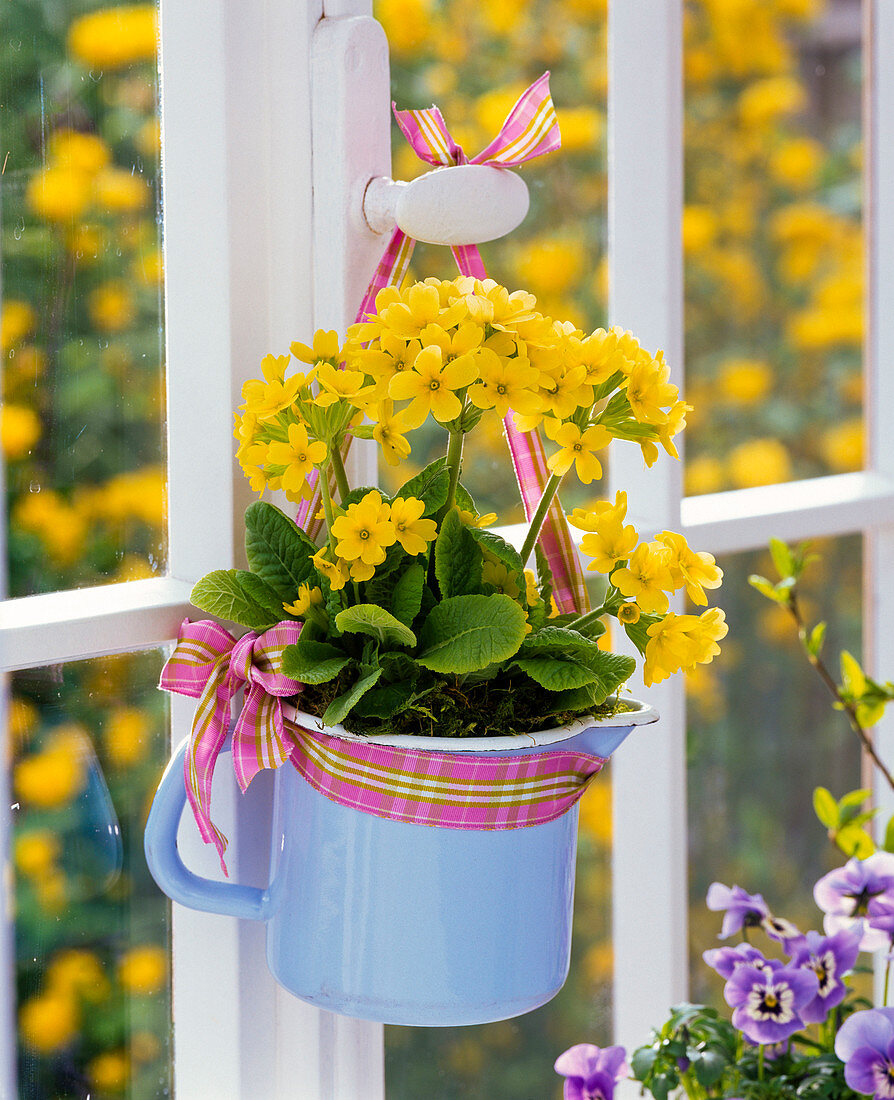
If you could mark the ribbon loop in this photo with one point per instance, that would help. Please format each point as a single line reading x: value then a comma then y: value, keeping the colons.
x: 208, y: 663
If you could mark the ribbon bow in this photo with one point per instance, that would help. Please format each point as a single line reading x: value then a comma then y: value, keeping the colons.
x: 531, y: 129
x: 210, y: 665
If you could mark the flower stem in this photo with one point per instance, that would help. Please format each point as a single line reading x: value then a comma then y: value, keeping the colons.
x: 552, y: 487
x: 327, y: 509
x: 338, y: 469
x: 887, y: 977
x: 454, y: 463
x: 760, y: 1062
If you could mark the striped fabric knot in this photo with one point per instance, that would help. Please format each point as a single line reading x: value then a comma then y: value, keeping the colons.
x: 459, y: 790
x: 210, y: 665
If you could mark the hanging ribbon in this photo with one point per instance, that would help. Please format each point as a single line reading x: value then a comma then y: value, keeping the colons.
x: 531, y: 129
x: 210, y: 665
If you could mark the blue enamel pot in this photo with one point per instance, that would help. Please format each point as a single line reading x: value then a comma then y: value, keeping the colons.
x: 398, y: 922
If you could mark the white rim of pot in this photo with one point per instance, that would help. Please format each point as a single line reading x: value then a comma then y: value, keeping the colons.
x: 641, y: 714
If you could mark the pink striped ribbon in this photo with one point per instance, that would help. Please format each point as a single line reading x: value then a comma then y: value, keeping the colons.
x: 210, y: 665
x: 531, y: 129
x: 459, y: 790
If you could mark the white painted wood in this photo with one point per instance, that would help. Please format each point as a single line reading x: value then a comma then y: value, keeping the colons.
x: 455, y: 205
x: 743, y: 519
x: 879, y: 384
x: 645, y: 279
x: 90, y: 622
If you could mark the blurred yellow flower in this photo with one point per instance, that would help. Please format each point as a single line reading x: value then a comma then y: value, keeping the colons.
x: 744, y: 381
x: 126, y: 733
x: 19, y: 430
x: 51, y: 778
x: 35, y: 852
x: 407, y: 23
x: 59, y: 194
x: 493, y: 107
x: 797, y: 163
x: 704, y: 474
x: 148, y: 267
x: 17, y: 320
x: 148, y: 138
x: 79, y: 151
x: 759, y: 462
x: 144, y: 970
x: 49, y: 1022
x: 699, y: 227
x: 80, y: 973
x: 842, y: 445
x: 550, y: 265
x: 765, y: 101
x: 60, y: 527
x: 21, y: 719
x: 118, y: 191
x: 596, y: 811
x: 582, y: 128
x: 500, y: 16
x: 109, y: 1071
x: 141, y: 494
x: 111, y: 307
x: 86, y: 243
x: 111, y: 38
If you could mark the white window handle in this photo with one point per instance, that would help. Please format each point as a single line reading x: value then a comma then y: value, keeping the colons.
x: 459, y: 204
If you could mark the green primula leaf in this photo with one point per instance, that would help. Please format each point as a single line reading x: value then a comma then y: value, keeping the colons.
x: 386, y: 701
x: 398, y: 666
x: 559, y: 638
x: 261, y: 592
x: 220, y: 593
x: 613, y: 669
x: 500, y: 549
x: 278, y: 551
x: 340, y: 707
x: 369, y: 618
x: 406, y: 599
x: 457, y: 558
x: 556, y: 674
x: 429, y: 485
x: 825, y: 807
x: 467, y: 633
x: 313, y: 662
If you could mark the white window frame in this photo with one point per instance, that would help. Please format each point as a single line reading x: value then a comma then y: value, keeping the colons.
x: 249, y: 91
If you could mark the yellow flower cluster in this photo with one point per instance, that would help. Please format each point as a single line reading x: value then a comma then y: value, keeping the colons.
x: 452, y: 350
x: 114, y: 37
x: 51, y: 1020
x: 642, y: 575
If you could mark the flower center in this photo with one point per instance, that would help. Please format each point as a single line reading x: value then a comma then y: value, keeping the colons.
x: 501, y: 389
x: 434, y: 384
x: 883, y: 1074
x: 364, y: 534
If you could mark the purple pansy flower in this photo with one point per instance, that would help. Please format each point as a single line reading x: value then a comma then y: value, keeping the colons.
x: 591, y: 1072
x: 881, y: 916
x: 778, y: 928
x: 845, y: 894
x: 829, y: 957
x: 741, y: 908
x: 725, y: 959
x: 865, y: 1043
x: 767, y: 1001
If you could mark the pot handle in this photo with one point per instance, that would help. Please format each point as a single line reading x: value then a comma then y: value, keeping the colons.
x: 169, y: 870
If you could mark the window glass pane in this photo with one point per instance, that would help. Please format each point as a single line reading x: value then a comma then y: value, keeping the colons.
x: 473, y: 59
x: 88, y: 742
x: 83, y: 385
x: 773, y: 242
x: 762, y: 736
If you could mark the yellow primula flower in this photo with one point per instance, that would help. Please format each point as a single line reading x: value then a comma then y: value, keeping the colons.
x: 293, y: 461
x: 307, y: 598
x: 532, y: 592
x: 421, y: 307
x: 388, y: 356
x: 646, y: 579
x: 471, y: 519
x: 336, y: 573
x: 413, y: 532
x: 681, y: 642
x: 610, y: 543
x: 430, y: 386
x: 489, y: 303
x: 265, y: 399
x: 341, y: 385
x: 694, y: 570
x: 389, y: 434
x: 602, y: 511
x: 365, y: 531
x: 603, y: 354
x: 497, y: 574
x: 326, y: 348
x: 505, y: 384
x: 648, y: 388
x: 565, y: 390
x: 628, y: 614
x: 577, y: 449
